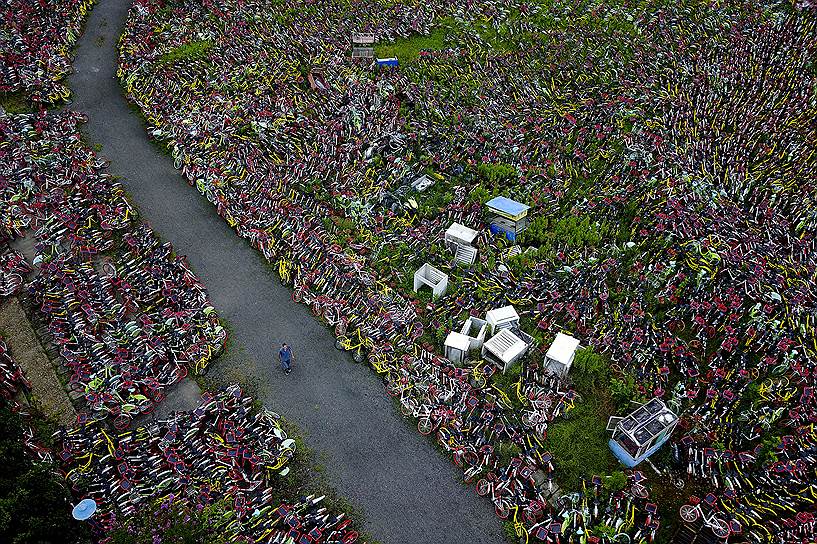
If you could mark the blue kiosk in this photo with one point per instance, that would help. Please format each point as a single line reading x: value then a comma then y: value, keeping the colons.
x: 640, y: 434
x: 507, y: 216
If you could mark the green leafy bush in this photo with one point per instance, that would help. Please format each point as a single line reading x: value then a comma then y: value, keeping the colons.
x: 571, y: 231
x: 407, y: 49
x: 35, y: 506
x: 173, y: 522
x: 623, y: 391
x: 496, y: 173
x: 615, y: 481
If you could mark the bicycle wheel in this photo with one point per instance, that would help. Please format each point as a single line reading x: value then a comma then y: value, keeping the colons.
x: 483, y: 487
x: 720, y: 527
x: 425, y: 426
x: 502, y: 508
x: 359, y: 356
x: 471, y: 473
x: 470, y: 458
x: 394, y: 388
x: 457, y: 458
x: 640, y: 491
x: 407, y: 407
x: 121, y: 422
x: 531, y: 419
x: 689, y: 513
x: 108, y: 269
x: 340, y: 328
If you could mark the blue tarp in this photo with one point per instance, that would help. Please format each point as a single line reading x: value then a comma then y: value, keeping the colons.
x: 496, y: 229
x: 506, y: 205
x: 391, y: 62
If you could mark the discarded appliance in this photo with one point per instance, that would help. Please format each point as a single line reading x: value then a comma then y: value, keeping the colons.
x: 640, y: 434
x: 362, y: 52
x: 502, y: 318
x: 507, y: 216
x: 459, y: 239
x: 432, y: 277
x: 505, y: 348
x: 474, y: 328
x: 559, y: 356
x: 363, y: 37
x: 456, y: 347
x: 422, y: 183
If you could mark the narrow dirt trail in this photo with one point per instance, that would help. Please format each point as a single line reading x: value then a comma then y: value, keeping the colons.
x: 409, y: 493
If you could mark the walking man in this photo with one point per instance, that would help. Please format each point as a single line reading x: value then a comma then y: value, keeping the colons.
x: 285, y: 356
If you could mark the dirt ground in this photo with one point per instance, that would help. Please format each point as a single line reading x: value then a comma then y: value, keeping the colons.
x: 48, y: 394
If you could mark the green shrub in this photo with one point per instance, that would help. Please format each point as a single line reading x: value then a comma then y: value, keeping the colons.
x: 479, y: 194
x: 496, y: 173
x: 35, y: 506
x: 615, y: 481
x: 15, y: 103
x: 623, y: 391
x: 174, y: 523
x: 589, y: 370
x: 579, y: 441
x: 407, y: 49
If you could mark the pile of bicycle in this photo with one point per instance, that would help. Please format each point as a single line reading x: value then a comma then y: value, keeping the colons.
x: 129, y: 318
x: 12, y: 379
x: 13, y: 385
x: 36, y: 44
x: 682, y: 132
x: 127, y: 315
x: 224, y: 451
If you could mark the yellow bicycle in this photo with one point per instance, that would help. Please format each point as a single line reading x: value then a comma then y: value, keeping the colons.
x: 355, y: 342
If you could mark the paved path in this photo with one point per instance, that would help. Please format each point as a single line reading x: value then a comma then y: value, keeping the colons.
x: 409, y: 493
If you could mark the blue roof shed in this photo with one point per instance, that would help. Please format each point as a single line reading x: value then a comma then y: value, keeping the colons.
x: 507, y: 207
x: 509, y: 216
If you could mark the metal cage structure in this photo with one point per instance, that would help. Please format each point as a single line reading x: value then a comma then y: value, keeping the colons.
x: 642, y: 432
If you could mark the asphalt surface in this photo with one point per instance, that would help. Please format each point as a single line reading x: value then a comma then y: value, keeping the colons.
x: 409, y: 493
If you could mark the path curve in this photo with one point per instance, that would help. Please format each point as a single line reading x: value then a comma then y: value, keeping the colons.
x: 409, y: 493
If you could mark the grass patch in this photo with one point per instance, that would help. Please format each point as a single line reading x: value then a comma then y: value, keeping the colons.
x: 579, y: 442
x: 188, y: 52
x: 407, y: 49
x: 15, y: 103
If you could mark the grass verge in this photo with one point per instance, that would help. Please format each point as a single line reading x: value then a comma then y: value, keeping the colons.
x: 15, y: 103
x: 188, y: 52
x: 407, y: 49
x: 579, y: 441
